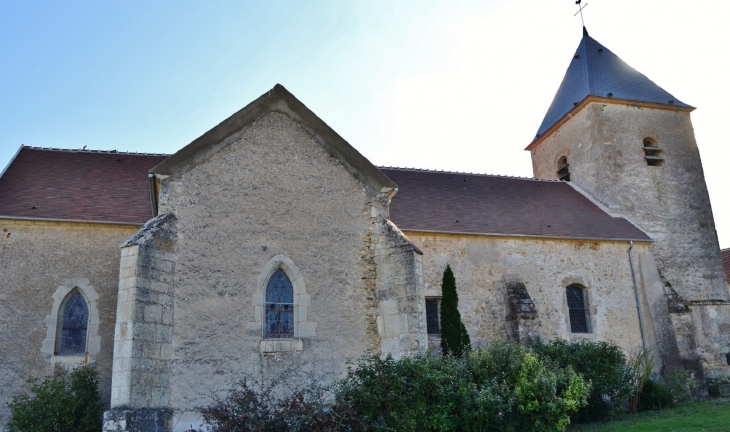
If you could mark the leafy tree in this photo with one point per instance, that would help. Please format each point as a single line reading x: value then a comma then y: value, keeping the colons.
x: 63, y: 402
x: 454, y: 338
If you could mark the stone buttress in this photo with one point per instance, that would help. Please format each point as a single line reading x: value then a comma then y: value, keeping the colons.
x: 143, y: 335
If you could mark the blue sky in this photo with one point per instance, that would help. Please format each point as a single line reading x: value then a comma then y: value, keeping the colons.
x: 458, y: 85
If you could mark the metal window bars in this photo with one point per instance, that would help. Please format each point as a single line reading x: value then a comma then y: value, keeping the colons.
x: 577, y: 310
x: 279, y: 320
x: 432, y: 316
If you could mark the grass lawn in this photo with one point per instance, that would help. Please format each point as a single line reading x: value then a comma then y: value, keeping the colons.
x: 693, y: 416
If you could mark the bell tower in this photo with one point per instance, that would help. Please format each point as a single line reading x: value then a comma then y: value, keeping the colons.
x: 630, y: 144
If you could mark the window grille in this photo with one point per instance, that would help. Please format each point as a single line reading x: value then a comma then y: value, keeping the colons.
x: 563, y: 169
x: 652, y: 153
x: 279, y: 307
x: 75, y: 322
x: 578, y: 310
x: 432, y: 316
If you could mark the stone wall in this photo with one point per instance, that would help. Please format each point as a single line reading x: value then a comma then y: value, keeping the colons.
x: 604, y: 146
x: 276, y: 194
x: 482, y: 264
x: 36, y: 259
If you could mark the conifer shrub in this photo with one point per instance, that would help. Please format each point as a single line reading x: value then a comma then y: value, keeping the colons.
x: 63, y: 402
x: 454, y: 337
x: 601, y: 363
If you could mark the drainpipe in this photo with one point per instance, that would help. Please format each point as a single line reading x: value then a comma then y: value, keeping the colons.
x: 636, y: 292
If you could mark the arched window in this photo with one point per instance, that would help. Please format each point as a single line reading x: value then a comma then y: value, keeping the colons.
x: 578, y: 309
x: 74, y: 326
x: 652, y: 152
x: 279, y: 307
x: 563, y: 172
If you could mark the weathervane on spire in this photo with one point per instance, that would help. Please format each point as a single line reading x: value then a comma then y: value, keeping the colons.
x: 580, y: 11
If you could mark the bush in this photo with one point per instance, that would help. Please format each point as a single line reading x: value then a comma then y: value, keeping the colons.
x: 682, y: 384
x: 252, y: 406
x: 62, y: 402
x: 502, y: 387
x: 641, y: 363
x: 601, y: 363
x: 655, y: 396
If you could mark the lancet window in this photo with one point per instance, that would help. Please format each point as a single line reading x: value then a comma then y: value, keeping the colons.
x: 72, y: 340
x: 279, y: 307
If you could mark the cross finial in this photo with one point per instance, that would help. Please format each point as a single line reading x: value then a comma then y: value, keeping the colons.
x: 580, y: 11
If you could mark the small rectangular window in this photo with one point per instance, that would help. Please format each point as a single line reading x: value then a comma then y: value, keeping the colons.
x: 578, y: 310
x: 432, y: 316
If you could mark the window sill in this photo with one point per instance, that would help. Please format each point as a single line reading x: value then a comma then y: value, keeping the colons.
x: 273, y: 346
x: 78, y: 359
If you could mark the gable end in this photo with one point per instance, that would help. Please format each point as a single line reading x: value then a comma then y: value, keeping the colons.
x: 281, y: 101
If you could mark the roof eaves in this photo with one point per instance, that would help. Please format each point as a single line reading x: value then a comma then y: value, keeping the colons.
x: 528, y: 236
x: 75, y: 221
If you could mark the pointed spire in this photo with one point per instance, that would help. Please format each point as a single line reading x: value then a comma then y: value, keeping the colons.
x: 596, y: 71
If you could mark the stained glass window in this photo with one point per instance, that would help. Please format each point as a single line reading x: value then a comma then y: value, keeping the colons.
x: 577, y: 309
x: 432, y: 316
x: 75, y: 321
x: 279, y: 307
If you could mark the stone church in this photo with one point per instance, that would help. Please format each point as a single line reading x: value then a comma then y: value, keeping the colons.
x: 270, y: 240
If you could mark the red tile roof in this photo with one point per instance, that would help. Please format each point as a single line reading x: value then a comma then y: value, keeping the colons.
x: 484, y: 204
x: 104, y: 186
x: 726, y: 262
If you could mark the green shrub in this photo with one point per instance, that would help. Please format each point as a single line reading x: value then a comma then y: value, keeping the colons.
x: 601, y: 363
x: 655, y: 396
x: 63, y: 402
x: 454, y: 337
x: 502, y: 387
x: 682, y: 384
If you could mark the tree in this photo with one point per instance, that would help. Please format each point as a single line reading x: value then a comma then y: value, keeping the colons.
x: 454, y: 338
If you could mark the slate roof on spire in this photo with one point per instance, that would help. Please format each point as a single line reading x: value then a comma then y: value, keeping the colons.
x: 596, y: 71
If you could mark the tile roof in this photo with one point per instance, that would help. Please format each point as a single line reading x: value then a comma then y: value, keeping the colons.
x: 104, y: 186
x: 485, y: 204
x: 726, y: 262
x: 596, y: 71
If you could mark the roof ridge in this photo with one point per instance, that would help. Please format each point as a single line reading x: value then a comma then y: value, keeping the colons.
x: 85, y: 150
x: 464, y: 173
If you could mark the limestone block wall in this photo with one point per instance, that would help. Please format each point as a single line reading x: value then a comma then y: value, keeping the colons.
x: 274, y: 192
x: 546, y: 267
x: 36, y: 259
x: 143, y: 332
x: 604, y: 146
x: 401, y: 294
